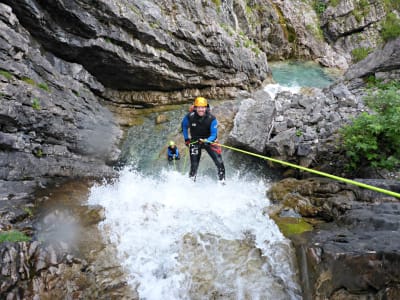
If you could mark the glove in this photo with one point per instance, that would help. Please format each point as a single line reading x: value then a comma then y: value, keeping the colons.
x: 187, y: 142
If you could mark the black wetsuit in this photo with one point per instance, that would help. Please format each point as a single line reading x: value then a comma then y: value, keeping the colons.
x: 202, y: 128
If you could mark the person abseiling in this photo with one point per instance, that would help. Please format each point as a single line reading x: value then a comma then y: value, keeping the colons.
x: 203, y: 128
x: 172, y: 151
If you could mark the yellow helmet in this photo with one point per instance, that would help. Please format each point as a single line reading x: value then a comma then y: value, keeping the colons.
x: 171, y: 143
x: 200, y: 101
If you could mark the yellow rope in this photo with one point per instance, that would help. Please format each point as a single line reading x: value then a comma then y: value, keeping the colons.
x: 360, y: 184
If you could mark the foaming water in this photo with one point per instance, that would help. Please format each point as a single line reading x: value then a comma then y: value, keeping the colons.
x: 273, y: 89
x: 183, y: 240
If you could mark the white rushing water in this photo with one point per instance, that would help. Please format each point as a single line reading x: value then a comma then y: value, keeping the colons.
x: 178, y: 239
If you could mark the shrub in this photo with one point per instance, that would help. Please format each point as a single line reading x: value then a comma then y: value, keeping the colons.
x: 391, y: 27
x: 360, y: 53
x: 319, y: 7
x: 373, y: 139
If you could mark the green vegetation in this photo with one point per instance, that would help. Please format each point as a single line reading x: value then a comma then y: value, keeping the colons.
x: 6, y: 74
x: 28, y: 80
x: 373, y: 139
x: 391, y: 5
x: 334, y: 3
x: 363, y: 3
x: 28, y: 211
x: 13, y: 236
x: 36, y: 104
x: 319, y: 7
x: 217, y: 3
x: 360, y: 53
x: 44, y: 87
x: 38, y: 153
x: 391, y: 27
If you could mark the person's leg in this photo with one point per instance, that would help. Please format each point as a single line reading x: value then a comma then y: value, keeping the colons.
x: 195, y: 154
x: 217, y: 158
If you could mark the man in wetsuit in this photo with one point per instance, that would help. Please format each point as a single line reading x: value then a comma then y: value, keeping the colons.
x: 203, y: 128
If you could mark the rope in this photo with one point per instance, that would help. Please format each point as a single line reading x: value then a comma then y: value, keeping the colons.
x: 360, y: 184
x: 186, y: 158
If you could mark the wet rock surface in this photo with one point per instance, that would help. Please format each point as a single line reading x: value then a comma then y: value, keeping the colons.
x: 66, y: 257
x: 354, y: 253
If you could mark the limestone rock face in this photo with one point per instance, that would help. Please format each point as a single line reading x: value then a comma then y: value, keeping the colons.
x: 51, y: 122
x: 384, y: 63
x: 353, y: 24
x: 144, y: 45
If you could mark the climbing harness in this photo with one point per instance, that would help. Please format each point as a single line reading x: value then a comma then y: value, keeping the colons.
x: 360, y: 184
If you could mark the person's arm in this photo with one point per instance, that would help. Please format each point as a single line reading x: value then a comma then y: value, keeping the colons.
x: 185, y: 126
x: 169, y: 153
x: 177, y: 152
x: 213, y: 131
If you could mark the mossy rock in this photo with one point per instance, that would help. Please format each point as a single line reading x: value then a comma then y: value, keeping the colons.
x: 292, y: 226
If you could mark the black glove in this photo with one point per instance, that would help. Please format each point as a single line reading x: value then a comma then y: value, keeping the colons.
x: 187, y: 142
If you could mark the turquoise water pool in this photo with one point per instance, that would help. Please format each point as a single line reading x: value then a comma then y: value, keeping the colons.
x: 301, y: 73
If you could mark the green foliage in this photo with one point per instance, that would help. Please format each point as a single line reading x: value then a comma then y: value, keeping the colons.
x: 28, y: 80
x: 391, y: 5
x: 391, y: 27
x: 374, y: 83
x: 36, y: 104
x: 360, y: 53
x: 6, y: 74
x: 334, y: 3
x: 364, y: 3
x: 13, y: 236
x: 373, y: 139
x: 44, y: 86
x: 319, y: 7
x: 38, y: 153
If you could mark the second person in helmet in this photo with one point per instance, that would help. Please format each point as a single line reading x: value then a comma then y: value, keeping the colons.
x: 203, y: 129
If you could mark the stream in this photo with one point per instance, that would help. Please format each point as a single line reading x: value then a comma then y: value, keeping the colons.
x: 177, y: 239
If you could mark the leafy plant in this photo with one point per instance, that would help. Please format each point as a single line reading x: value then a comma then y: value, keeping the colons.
x: 319, y: 7
x: 13, y: 236
x: 373, y: 139
x: 391, y: 27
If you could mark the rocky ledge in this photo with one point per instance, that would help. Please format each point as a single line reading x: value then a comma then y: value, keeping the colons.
x: 353, y: 251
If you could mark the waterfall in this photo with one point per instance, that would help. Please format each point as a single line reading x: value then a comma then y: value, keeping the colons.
x: 179, y: 239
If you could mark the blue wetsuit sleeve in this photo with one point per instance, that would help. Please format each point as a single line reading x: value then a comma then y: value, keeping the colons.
x: 177, y: 152
x: 213, y: 131
x: 185, y: 126
x: 169, y: 152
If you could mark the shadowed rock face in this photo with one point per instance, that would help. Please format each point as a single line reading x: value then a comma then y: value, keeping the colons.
x: 143, y: 45
x: 51, y: 123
